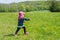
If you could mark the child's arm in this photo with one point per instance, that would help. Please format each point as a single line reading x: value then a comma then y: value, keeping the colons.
x: 27, y: 19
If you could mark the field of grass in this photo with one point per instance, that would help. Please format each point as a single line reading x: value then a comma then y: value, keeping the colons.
x: 42, y: 26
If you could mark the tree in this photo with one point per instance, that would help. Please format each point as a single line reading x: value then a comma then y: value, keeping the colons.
x: 55, y: 6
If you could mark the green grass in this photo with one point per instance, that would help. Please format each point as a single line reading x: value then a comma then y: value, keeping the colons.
x: 42, y: 26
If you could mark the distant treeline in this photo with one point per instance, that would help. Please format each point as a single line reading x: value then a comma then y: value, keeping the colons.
x: 31, y: 6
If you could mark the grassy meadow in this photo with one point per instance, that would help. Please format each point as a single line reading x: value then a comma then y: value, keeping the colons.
x: 44, y: 25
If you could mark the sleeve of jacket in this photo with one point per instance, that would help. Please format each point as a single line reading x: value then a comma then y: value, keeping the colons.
x: 27, y: 19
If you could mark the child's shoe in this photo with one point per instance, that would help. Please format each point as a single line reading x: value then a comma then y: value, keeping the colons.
x: 15, y: 35
x: 26, y: 33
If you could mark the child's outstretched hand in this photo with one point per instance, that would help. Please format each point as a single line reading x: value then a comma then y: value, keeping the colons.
x: 27, y: 19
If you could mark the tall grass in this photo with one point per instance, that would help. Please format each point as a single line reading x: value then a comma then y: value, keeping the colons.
x: 42, y: 26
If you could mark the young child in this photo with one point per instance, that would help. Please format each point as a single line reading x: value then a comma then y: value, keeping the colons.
x: 21, y: 23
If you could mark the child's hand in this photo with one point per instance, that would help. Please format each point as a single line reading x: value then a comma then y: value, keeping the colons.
x: 29, y: 18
